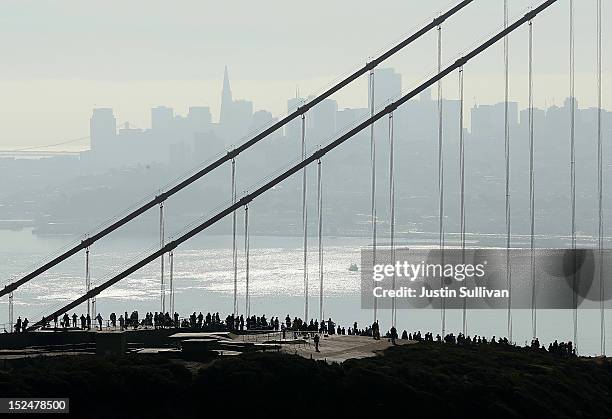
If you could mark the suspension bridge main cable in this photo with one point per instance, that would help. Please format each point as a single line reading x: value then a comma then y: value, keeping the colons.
x: 303, y: 163
x: 235, y: 152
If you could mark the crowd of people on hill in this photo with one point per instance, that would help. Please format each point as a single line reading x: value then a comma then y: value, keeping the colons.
x: 556, y: 348
x: 159, y: 320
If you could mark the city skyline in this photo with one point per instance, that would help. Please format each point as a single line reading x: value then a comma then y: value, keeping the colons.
x: 144, y: 121
x: 265, y: 116
x: 238, y: 119
x: 167, y: 58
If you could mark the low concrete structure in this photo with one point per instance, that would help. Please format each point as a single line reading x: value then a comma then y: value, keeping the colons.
x: 339, y: 348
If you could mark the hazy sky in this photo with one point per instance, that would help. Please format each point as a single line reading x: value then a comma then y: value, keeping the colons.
x: 61, y: 58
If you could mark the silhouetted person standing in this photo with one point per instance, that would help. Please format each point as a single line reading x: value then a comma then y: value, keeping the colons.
x: 375, y: 330
x: 99, y: 319
x: 393, y: 335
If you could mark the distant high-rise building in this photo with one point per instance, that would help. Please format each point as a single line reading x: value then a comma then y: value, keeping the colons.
x: 199, y: 118
x: 346, y: 117
x: 161, y: 118
x: 132, y: 146
x: 488, y: 120
x: 261, y: 119
x: 539, y: 117
x: 242, y: 115
x: 235, y: 116
x: 102, y: 129
x: 293, y: 129
x: 226, y: 100
x: 324, y: 119
x: 387, y: 86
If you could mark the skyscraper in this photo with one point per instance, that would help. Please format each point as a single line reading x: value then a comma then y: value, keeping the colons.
x: 199, y: 118
x: 387, y: 86
x: 235, y: 116
x: 324, y: 119
x: 226, y: 100
x: 242, y: 116
x: 161, y: 118
x: 488, y: 120
x: 293, y: 129
x: 102, y: 129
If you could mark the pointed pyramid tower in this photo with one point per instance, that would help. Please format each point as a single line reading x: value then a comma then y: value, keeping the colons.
x: 226, y: 99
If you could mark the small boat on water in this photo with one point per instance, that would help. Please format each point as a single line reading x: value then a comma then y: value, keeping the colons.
x: 353, y: 267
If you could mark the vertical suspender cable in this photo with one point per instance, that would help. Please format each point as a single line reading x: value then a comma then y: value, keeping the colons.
x: 572, y: 102
x: 462, y: 189
x: 93, y: 306
x: 87, y: 280
x: 10, y: 313
x: 161, y: 244
x: 600, y: 185
x: 171, y: 258
x: 392, y: 215
x: 234, y: 249
x: 93, y: 299
x: 531, y: 189
x: 373, y: 179
x: 507, y: 156
x: 305, y: 220
x: 441, y: 176
x: 246, y: 255
x: 320, y: 234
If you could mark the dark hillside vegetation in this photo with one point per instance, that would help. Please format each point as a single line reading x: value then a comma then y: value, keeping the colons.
x: 419, y: 380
